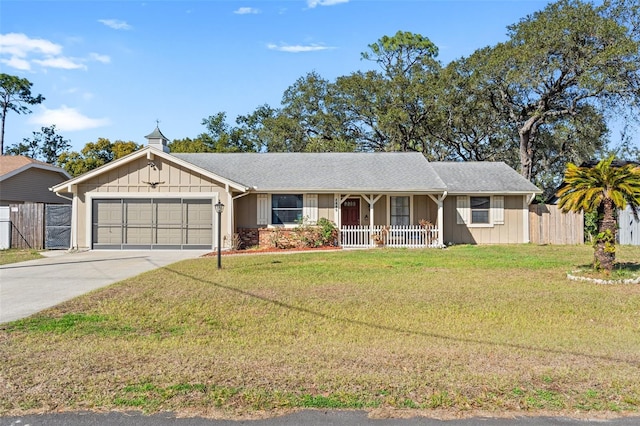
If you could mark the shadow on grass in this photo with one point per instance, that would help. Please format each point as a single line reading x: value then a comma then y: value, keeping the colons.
x: 397, y: 329
x: 627, y: 266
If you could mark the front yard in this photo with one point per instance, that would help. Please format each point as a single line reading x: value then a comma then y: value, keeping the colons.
x: 468, y: 329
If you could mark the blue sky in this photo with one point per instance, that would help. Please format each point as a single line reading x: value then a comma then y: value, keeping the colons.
x: 110, y: 69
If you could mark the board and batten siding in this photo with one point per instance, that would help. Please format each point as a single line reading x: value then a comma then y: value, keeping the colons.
x: 129, y: 181
x: 507, y: 224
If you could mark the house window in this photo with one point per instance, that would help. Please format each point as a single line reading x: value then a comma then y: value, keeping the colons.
x: 286, y: 208
x: 480, y: 207
x: 400, y: 215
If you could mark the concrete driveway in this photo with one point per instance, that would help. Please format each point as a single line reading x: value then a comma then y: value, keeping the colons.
x: 31, y: 286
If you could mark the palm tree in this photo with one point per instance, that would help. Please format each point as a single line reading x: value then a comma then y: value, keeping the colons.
x: 602, y: 188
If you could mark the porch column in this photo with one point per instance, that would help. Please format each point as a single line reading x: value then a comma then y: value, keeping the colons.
x: 337, y: 217
x: 440, y: 203
x: 371, y: 200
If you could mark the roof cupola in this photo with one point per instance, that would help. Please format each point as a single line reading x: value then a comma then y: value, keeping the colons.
x: 158, y: 140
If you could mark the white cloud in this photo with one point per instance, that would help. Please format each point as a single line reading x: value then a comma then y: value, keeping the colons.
x: 100, y: 58
x: 314, y: 3
x: 298, y: 48
x: 21, y: 52
x: 21, y: 45
x: 66, y: 119
x: 116, y: 24
x: 246, y: 11
x: 61, y: 63
x: 17, y: 63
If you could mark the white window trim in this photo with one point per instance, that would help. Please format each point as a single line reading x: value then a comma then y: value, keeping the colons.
x: 496, y: 211
x: 410, y: 207
x: 310, y: 210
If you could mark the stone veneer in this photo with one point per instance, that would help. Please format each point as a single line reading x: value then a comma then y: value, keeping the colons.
x: 268, y: 237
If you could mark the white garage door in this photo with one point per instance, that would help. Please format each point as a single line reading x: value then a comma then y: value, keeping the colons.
x: 152, y: 224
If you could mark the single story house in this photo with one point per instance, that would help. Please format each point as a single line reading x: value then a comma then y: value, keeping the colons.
x: 155, y: 199
x: 23, y: 179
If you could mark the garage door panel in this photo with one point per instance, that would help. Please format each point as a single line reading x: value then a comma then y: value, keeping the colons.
x: 138, y: 235
x: 170, y: 236
x: 107, y: 234
x: 138, y: 212
x: 107, y: 224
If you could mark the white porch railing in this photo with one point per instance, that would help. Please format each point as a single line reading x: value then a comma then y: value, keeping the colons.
x: 412, y: 236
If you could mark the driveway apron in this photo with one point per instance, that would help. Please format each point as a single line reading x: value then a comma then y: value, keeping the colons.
x: 31, y: 286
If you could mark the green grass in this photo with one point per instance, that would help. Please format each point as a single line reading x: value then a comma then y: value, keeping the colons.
x: 18, y: 255
x: 466, y: 329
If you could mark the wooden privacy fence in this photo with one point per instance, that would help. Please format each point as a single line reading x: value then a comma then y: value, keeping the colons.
x: 27, y: 225
x: 548, y: 225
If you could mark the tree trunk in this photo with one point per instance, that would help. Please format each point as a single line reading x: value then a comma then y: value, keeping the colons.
x: 527, y: 138
x: 4, y: 114
x: 605, y: 249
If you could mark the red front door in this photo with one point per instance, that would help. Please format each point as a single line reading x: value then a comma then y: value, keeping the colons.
x: 351, y: 212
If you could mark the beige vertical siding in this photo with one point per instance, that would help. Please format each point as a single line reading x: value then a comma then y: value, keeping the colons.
x: 31, y: 185
x: 245, y: 211
x: 424, y: 208
x: 131, y: 177
x: 508, y: 233
x: 325, y: 207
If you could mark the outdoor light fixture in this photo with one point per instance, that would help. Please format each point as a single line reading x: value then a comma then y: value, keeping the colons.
x: 219, y: 209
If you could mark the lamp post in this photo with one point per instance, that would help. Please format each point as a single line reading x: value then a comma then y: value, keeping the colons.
x: 219, y: 208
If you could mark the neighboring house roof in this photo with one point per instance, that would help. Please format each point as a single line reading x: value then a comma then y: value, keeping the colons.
x: 392, y: 172
x: 11, y: 165
x: 482, y: 177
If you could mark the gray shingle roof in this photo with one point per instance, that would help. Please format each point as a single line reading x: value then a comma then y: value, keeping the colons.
x: 470, y: 177
x: 376, y: 172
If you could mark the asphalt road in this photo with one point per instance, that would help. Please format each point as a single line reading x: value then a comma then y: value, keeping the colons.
x: 307, y: 418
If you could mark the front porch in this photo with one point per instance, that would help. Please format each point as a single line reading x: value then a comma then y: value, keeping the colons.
x: 410, y: 236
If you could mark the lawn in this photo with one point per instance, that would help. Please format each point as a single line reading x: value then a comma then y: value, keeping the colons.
x: 468, y: 329
x: 18, y: 255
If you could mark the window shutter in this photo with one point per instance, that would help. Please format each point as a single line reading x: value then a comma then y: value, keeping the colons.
x: 498, y: 210
x: 310, y: 209
x: 462, y: 209
x: 263, y: 209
